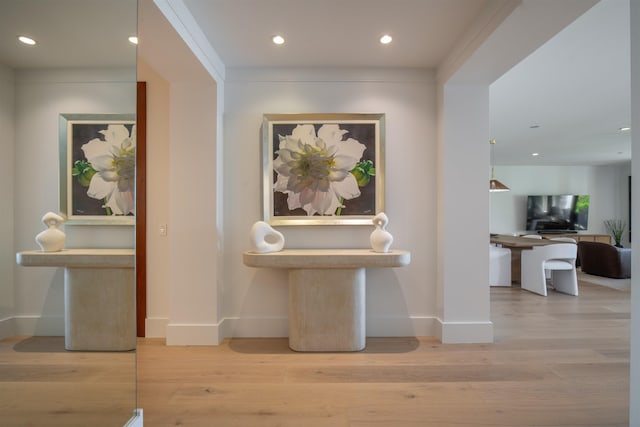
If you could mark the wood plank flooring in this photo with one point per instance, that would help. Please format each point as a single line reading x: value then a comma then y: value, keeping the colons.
x: 42, y: 384
x: 556, y: 361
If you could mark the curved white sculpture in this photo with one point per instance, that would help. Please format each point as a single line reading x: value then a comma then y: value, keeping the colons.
x: 380, y: 239
x: 264, y: 239
x: 52, y: 239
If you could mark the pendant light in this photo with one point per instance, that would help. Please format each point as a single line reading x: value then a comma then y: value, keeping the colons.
x: 494, y: 184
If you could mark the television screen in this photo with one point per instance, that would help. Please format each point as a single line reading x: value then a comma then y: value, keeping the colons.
x: 555, y: 213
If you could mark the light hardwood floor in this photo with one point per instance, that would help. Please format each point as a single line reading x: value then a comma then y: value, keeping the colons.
x: 41, y: 384
x: 556, y: 361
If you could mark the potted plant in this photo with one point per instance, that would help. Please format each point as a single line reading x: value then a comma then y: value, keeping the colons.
x: 616, y: 228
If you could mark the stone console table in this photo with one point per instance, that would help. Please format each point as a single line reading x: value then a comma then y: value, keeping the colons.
x: 327, y: 293
x: 99, y: 296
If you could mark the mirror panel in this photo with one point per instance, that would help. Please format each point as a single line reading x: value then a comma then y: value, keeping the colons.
x: 82, y: 63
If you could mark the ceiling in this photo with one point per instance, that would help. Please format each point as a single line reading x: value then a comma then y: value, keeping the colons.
x: 334, y: 33
x: 568, y: 100
x: 575, y: 88
x: 70, y: 33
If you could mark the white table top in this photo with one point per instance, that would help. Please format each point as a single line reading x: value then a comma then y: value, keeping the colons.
x: 327, y: 258
x: 96, y: 258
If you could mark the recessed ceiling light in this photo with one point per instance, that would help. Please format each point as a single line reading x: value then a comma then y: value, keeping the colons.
x: 624, y: 129
x: 278, y: 39
x: 535, y: 154
x: 386, y: 39
x: 27, y: 40
x: 133, y: 39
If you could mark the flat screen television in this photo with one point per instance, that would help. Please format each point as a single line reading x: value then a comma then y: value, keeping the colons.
x: 567, y: 212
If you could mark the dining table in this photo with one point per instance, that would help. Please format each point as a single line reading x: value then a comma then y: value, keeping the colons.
x: 517, y: 244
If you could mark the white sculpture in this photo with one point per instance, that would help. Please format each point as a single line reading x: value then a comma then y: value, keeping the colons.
x: 52, y: 239
x: 264, y: 239
x: 380, y: 239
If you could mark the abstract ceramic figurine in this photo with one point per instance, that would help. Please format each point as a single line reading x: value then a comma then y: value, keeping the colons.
x: 380, y: 238
x: 264, y: 239
x: 52, y: 239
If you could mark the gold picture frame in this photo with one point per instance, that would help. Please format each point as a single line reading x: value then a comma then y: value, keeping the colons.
x: 85, y: 140
x: 322, y: 169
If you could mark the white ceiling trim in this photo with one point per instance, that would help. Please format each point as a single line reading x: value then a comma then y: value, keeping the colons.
x: 481, y: 29
x: 186, y: 26
x: 528, y: 27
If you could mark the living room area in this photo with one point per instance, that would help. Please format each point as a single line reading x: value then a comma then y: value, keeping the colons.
x: 560, y: 123
x: 606, y: 185
x: 608, y: 189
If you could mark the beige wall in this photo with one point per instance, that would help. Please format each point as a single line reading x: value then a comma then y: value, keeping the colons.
x: 158, y: 105
x: 7, y: 170
x: 400, y: 301
x: 41, y: 96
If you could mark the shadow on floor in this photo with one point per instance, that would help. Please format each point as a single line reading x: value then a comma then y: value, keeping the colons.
x: 40, y: 345
x: 376, y: 345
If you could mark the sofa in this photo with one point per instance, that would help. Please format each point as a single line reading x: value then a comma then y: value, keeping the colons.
x: 602, y: 259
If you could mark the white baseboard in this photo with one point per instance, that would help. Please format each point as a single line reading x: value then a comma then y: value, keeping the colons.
x: 279, y: 327
x: 464, y: 332
x: 376, y: 327
x: 214, y: 334
x: 7, y: 327
x: 234, y: 327
x: 39, y: 325
x: 193, y: 334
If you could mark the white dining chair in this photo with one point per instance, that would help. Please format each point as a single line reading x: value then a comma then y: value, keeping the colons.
x: 564, y: 239
x: 559, y: 239
x: 499, y: 266
x: 560, y: 259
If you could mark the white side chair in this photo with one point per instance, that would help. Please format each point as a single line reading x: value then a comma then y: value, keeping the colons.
x: 560, y: 239
x: 499, y: 266
x: 560, y: 258
x: 547, y: 273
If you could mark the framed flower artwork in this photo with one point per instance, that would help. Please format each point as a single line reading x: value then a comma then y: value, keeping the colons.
x: 97, y: 168
x: 322, y: 169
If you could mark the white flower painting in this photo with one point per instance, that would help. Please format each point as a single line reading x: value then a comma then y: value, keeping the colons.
x: 98, y: 168
x: 323, y: 170
x: 315, y: 170
x: 112, y: 157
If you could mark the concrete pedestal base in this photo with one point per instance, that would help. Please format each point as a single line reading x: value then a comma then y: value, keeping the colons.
x: 327, y: 293
x: 99, y: 294
x: 99, y: 309
x: 327, y: 310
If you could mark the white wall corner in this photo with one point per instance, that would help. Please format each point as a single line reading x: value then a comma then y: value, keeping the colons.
x: 194, y: 334
x: 186, y: 26
x: 463, y: 293
x: 464, y: 332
